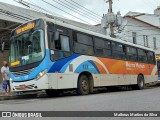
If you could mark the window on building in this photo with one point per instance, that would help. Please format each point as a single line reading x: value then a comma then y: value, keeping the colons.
x: 83, y: 44
x: 145, y: 39
x: 154, y: 43
x: 118, y: 50
x: 131, y: 53
x: 134, y: 36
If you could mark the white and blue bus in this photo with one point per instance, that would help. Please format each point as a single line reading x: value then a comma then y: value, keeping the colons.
x: 52, y: 55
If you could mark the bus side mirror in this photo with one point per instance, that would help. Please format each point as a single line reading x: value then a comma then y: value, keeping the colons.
x: 56, y: 35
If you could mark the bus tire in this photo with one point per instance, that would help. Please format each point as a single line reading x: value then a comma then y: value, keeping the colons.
x: 140, y: 83
x: 83, y: 85
x: 52, y: 93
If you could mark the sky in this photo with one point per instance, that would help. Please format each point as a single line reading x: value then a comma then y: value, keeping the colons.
x: 97, y: 8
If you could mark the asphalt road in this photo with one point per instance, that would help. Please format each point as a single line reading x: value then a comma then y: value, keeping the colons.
x: 135, y: 100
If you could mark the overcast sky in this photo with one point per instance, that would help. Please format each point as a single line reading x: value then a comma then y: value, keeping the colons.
x: 99, y: 7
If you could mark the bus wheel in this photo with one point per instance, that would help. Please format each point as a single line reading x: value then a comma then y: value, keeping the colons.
x: 140, y: 83
x: 83, y: 85
x: 52, y: 93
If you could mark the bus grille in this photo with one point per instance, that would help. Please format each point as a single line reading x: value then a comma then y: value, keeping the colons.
x: 22, y: 73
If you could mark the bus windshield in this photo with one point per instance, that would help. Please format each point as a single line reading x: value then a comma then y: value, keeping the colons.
x: 27, y: 48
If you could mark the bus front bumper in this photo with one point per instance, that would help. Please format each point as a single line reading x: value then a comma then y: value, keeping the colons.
x: 31, y: 85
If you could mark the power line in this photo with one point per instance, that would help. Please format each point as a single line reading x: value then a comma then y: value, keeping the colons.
x: 37, y: 8
x: 117, y: 5
x: 21, y: 11
x: 74, y: 11
x: 85, y: 13
x: 64, y: 11
x: 42, y: 9
x: 148, y: 4
x: 85, y: 8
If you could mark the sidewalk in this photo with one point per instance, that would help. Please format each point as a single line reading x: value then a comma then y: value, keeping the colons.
x: 6, y: 97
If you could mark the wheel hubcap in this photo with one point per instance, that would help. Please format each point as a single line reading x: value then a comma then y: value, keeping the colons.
x: 84, y: 85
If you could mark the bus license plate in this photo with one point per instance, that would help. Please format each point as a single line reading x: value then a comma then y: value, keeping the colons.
x: 22, y: 86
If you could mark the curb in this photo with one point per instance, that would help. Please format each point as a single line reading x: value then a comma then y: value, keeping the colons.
x: 8, y: 97
x: 14, y: 97
x: 22, y: 96
x: 2, y: 97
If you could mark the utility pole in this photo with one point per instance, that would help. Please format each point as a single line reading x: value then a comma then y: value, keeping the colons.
x: 111, y: 24
x: 111, y: 20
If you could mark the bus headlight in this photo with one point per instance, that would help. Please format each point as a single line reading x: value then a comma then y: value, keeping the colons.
x: 11, y: 81
x: 42, y: 73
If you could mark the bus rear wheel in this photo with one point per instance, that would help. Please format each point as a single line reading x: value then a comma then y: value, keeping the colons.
x: 140, y: 83
x: 83, y: 85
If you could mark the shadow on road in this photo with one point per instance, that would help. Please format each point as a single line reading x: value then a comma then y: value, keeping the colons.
x: 72, y: 93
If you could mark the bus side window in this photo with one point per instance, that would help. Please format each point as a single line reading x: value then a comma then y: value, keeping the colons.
x: 51, y: 41
x: 64, y: 43
x: 118, y: 51
x: 131, y: 54
x: 99, y: 47
x: 151, y: 57
x: 142, y: 55
x: 62, y: 48
x: 83, y: 44
x: 108, y: 49
x: 61, y: 44
x: 57, y: 44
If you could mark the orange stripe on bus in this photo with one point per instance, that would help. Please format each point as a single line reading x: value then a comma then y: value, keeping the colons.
x: 126, y: 67
x: 100, y: 68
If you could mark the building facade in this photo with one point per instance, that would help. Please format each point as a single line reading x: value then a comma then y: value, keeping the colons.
x: 142, y: 29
